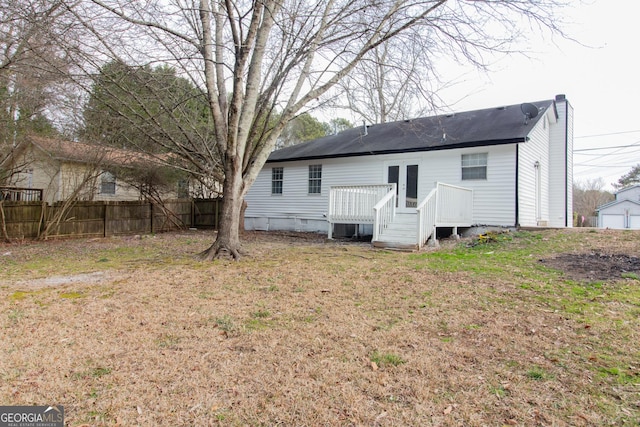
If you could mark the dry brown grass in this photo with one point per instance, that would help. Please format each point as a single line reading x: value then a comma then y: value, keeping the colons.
x: 309, y: 333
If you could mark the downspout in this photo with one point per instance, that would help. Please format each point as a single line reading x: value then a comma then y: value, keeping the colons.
x: 566, y: 165
x: 517, y: 205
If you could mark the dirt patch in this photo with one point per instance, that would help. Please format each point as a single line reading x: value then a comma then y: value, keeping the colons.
x: 594, y: 266
x: 85, y: 278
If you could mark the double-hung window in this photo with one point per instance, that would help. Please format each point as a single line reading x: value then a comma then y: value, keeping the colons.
x: 277, y: 178
x: 474, y: 166
x: 315, y: 179
x: 108, y: 183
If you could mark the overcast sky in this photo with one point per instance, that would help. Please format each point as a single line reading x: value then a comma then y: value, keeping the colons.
x: 600, y: 81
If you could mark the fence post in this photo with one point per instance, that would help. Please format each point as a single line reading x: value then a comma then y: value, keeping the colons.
x: 193, y: 214
x: 151, y: 217
x: 215, y: 217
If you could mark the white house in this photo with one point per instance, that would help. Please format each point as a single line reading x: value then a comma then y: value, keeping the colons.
x: 623, y: 212
x: 504, y: 166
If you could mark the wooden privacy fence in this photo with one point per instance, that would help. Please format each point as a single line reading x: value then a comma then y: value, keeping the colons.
x: 102, y: 219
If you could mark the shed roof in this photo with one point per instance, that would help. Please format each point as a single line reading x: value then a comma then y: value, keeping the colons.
x: 491, y: 126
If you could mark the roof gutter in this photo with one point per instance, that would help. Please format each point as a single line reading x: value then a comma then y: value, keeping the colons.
x: 409, y: 150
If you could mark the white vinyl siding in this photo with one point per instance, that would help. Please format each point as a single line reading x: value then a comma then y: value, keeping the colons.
x: 527, y: 183
x: 533, y: 177
x: 561, y: 167
x: 494, y: 197
x: 294, y: 210
x: 630, y: 193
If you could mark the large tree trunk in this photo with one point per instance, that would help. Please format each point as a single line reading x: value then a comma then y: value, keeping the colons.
x: 227, y: 243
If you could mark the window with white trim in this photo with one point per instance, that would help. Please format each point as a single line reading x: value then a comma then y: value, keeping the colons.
x: 474, y: 166
x: 315, y: 179
x: 277, y: 178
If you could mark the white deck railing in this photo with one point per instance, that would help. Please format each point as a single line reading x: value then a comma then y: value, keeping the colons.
x: 455, y: 206
x: 354, y: 204
x: 445, y: 206
x: 384, y: 211
x: 427, y: 212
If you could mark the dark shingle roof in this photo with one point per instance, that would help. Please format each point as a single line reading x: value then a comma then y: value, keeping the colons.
x: 491, y: 126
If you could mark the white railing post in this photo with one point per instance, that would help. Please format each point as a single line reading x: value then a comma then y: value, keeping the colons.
x: 384, y: 212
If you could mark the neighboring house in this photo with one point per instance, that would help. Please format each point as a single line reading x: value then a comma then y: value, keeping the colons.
x: 506, y: 166
x: 65, y: 169
x: 623, y: 212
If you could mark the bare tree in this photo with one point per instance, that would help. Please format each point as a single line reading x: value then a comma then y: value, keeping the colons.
x: 258, y: 60
x: 587, y: 196
x: 83, y: 183
x: 391, y: 83
x: 34, y: 38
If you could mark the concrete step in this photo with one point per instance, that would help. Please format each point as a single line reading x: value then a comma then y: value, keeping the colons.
x: 395, y: 245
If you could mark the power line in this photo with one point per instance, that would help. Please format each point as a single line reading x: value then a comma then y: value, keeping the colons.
x: 606, y: 134
x: 635, y: 144
x: 608, y: 154
x: 608, y: 165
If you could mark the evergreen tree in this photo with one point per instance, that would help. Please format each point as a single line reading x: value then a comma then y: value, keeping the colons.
x: 630, y: 178
x: 148, y: 109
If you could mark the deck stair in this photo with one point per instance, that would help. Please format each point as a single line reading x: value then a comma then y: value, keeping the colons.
x: 400, y: 233
x: 445, y: 206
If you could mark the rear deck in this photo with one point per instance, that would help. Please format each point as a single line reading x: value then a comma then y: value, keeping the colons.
x: 445, y: 206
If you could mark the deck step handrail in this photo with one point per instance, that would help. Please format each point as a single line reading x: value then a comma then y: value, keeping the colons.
x: 427, y: 213
x: 384, y: 211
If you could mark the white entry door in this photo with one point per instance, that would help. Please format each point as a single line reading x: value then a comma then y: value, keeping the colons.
x: 405, y: 176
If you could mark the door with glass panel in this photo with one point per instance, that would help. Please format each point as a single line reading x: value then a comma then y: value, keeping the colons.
x: 405, y: 176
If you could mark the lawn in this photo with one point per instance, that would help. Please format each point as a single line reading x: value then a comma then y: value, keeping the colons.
x: 517, y: 329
